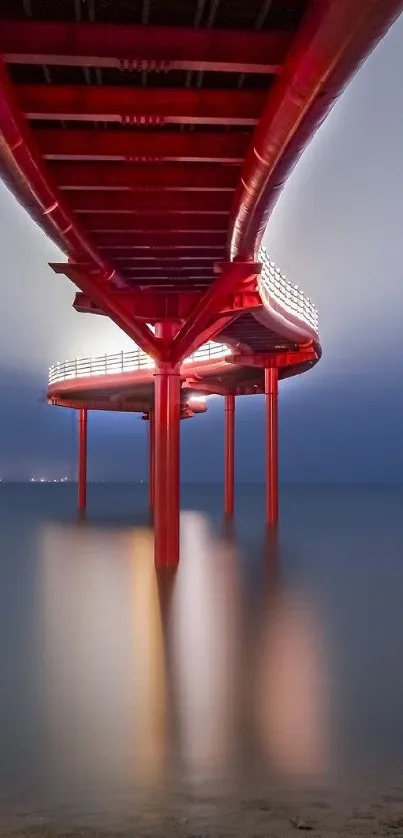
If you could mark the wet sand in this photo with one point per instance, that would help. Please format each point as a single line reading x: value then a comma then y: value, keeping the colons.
x: 375, y: 812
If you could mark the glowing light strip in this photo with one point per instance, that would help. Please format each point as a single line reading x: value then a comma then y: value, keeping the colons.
x: 273, y: 283
x: 121, y: 362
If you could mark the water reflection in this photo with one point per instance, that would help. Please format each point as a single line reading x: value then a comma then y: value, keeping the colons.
x: 255, y: 663
x: 150, y: 678
x: 206, y: 638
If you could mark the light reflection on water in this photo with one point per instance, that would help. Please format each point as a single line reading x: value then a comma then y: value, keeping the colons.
x: 148, y: 678
x: 120, y: 681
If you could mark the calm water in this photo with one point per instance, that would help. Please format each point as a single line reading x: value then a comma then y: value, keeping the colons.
x: 259, y: 662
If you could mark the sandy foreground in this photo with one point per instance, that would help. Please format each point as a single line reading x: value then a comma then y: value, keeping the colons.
x: 186, y: 814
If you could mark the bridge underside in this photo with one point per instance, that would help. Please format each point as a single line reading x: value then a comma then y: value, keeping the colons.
x: 151, y: 140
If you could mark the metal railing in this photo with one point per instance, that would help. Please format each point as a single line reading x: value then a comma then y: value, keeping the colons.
x: 130, y: 361
x: 272, y: 283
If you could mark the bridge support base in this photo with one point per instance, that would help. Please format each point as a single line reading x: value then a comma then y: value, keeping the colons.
x: 167, y: 405
x: 229, y: 455
x: 82, y: 460
x: 151, y: 443
x: 271, y: 398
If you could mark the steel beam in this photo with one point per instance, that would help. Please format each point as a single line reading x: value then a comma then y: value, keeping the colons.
x: 82, y: 460
x: 170, y: 264
x: 151, y: 458
x: 161, y: 252
x: 104, y: 296
x: 229, y: 454
x: 271, y: 400
x: 23, y: 171
x: 105, y: 222
x: 167, y: 420
x: 330, y: 44
x: 130, y: 177
x: 126, y: 47
x: 144, y: 147
x: 230, y: 281
x: 152, y: 306
x: 151, y: 203
x: 168, y: 271
x: 160, y: 239
x: 141, y: 106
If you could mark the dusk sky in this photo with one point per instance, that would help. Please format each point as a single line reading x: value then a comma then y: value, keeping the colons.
x: 336, y: 231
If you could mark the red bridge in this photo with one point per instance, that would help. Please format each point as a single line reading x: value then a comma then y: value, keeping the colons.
x: 150, y: 140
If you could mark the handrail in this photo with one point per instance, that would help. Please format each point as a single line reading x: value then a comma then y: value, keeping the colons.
x: 272, y: 286
x: 273, y: 283
x: 120, y: 362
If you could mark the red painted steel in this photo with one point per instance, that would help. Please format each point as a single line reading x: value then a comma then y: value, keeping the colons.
x: 199, y: 327
x: 271, y: 399
x: 23, y: 171
x: 82, y: 459
x: 151, y: 203
x: 151, y: 458
x: 147, y: 147
x: 150, y: 106
x: 127, y: 48
x: 332, y: 41
x: 167, y: 421
x: 105, y: 222
x: 100, y: 292
x: 229, y: 453
x: 158, y: 177
x: 140, y: 253
x: 160, y: 240
x: 113, y: 197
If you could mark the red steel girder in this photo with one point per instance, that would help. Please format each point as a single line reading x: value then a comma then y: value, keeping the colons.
x: 168, y: 271
x: 192, y: 334
x: 152, y: 306
x: 332, y: 41
x: 148, y: 203
x: 144, y: 255
x: 101, y: 293
x: 129, y: 177
x: 156, y: 304
x: 167, y: 263
x: 206, y: 385
x: 130, y: 48
x: 104, y: 222
x: 162, y: 251
x: 209, y: 331
x: 143, y: 146
x: 265, y: 360
x: 178, y: 284
x: 23, y: 171
x: 123, y: 406
x: 140, y: 105
x: 160, y: 239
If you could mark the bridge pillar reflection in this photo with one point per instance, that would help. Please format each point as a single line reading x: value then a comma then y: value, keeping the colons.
x: 271, y: 399
x: 229, y: 454
x: 82, y: 459
x: 167, y: 402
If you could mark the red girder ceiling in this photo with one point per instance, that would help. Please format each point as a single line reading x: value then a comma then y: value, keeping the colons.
x: 152, y: 150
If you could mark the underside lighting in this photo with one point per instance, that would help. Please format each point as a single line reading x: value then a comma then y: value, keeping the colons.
x: 197, y: 400
x: 273, y: 286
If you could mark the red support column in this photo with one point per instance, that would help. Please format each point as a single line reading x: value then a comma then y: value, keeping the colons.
x: 229, y: 454
x: 82, y: 459
x: 271, y: 396
x: 151, y: 441
x: 166, y: 464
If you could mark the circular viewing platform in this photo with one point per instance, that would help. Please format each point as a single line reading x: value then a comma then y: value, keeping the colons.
x: 280, y: 324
